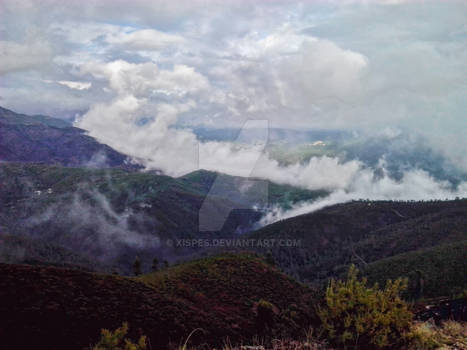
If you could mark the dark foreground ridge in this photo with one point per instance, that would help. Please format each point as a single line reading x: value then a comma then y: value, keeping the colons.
x: 65, y: 309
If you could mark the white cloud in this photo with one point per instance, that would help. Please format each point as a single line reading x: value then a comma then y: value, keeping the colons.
x: 146, y: 78
x: 85, y: 33
x: 77, y: 85
x: 153, y: 141
x: 322, y: 70
x: 288, y: 70
x: 146, y: 39
x: 414, y: 185
x: 175, y: 151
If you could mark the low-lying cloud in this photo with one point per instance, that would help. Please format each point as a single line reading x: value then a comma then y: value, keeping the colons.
x: 415, y: 185
x: 88, y: 224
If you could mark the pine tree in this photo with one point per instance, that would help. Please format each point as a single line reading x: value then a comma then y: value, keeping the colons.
x: 361, y: 317
x: 270, y: 258
x: 117, y: 340
x: 155, y: 264
x: 137, y: 267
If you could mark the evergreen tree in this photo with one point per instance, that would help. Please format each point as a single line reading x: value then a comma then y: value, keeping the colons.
x: 137, y: 267
x: 117, y: 340
x: 270, y: 258
x: 155, y: 264
x: 356, y: 316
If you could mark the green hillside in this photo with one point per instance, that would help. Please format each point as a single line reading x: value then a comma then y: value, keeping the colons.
x: 259, y: 192
x: 432, y: 272
x: 365, y: 232
x: 112, y: 215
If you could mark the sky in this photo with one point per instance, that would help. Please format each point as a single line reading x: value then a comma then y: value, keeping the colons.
x: 129, y: 72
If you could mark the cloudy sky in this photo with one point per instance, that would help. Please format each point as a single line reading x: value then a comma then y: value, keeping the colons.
x: 128, y: 72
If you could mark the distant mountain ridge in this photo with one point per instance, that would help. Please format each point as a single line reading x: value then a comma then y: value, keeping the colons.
x: 38, y: 138
x: 12, y: 118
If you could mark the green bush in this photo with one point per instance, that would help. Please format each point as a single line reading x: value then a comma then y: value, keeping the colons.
x: 356, y: 316
x: 116, y: 340
x: 449, y: 335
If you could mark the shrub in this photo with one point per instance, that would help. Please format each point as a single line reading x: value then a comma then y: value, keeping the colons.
x: 116, y: 340
x: 356, y: 316
x: 424, y: 337
x: 449, y: 335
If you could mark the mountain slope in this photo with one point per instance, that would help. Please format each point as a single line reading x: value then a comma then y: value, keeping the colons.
x: 432, y: 272
x: 17, y: 249
x: 250, y: 192
x: 111, y: 215
x: 107, y: 215
x: 53, y: 141
x: 65, y: 309
x: 364, y: 232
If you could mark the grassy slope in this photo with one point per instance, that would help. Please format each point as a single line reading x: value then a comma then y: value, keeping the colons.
x: 66, y: 308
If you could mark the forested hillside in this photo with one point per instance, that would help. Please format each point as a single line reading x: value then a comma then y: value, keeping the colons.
x: 385, y: 239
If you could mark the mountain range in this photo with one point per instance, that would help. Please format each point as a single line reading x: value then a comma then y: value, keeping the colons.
x: 73, y: 211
